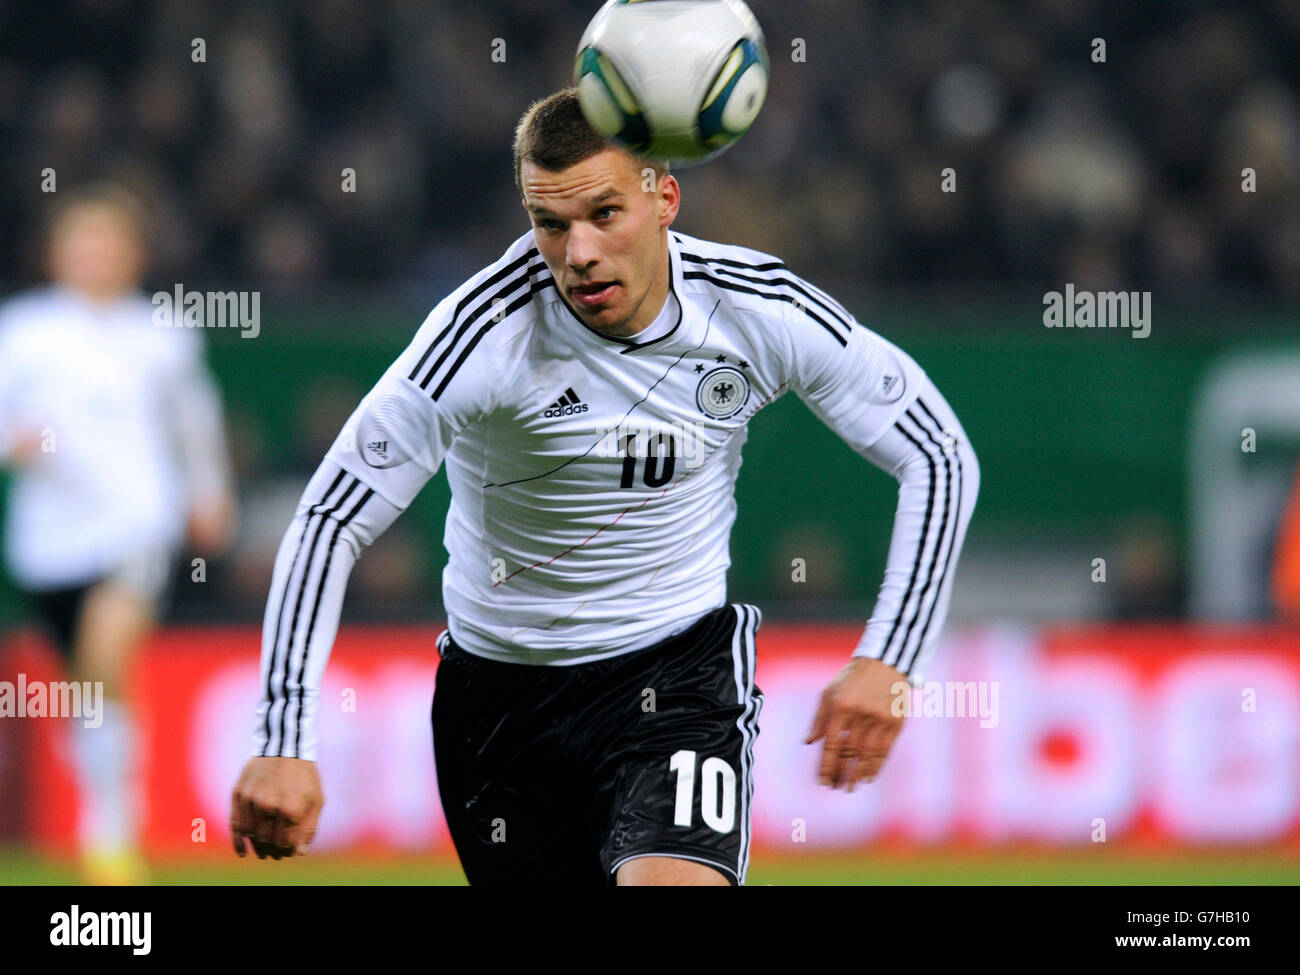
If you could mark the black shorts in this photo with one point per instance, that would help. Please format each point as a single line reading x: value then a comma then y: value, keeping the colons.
x: 60, y: 611
x: 146, y: 573
x: 561, y: 774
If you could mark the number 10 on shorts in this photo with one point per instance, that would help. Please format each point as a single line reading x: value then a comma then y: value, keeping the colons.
x: 720, y: 816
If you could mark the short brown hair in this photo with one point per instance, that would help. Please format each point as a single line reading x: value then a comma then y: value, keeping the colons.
x: 555, y: 135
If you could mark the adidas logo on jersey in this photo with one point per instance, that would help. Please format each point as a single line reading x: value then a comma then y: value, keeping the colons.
x: 379, y: 447
x: 566, y: 405
x: 891, y: 388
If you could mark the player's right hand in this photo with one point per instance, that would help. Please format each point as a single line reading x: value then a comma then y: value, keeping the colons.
x: 275, y: 807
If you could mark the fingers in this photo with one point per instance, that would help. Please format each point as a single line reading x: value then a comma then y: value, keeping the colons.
x: 280, y: 835
x: 255, y: 827
x: 278, y: 825
x: 856, y: 746
x: 857, y: 718
x: 270, y: 827
x: 819, y: 722
x: 237, y: 824
x: 876, y: 741
x: 837, y: 725
x: 878, y: 750
x: 855, y: 750
x: 236, y: 832
x: 306, y: 831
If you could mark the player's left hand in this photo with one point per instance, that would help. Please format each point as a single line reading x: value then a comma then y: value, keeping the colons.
x: 857, y: 720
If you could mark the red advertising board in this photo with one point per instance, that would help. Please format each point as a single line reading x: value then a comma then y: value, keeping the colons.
x: 1166, y: 735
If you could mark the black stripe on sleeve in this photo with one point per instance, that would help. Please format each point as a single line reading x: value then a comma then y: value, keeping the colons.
x: 514, y: 306
x: 829, y: 306
x: 272, y: 670
x: 769, y: 266
x: 339, y: 525
x: 775, y: 296
x: 491, y: 307
x: 906, y: 660
x: 301, y: 589
x: 504, y: 272
x: 301, y: 593
x: 920, y: 551
x: 952, y: 541
x: 826, y: 299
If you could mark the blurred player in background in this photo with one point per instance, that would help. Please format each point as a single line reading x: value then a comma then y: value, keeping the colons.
x: 112, y: 430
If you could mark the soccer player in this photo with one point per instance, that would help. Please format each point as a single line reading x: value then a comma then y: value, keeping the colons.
x: 112, y: 428
x: 589, y: 393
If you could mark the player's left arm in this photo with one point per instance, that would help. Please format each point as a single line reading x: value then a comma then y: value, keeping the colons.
x: 880, y: 402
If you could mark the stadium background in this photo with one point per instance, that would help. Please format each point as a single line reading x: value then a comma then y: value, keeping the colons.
x: 1120, y: 700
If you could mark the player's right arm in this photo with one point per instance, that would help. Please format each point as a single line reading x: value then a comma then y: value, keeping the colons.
x: 393, y: 443
x: 278, y: 796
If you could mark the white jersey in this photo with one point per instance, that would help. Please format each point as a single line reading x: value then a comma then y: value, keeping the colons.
x: 130, y: 430
x: 592, y: 478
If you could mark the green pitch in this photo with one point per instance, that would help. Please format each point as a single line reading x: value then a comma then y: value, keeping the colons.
x: 1243, y: 867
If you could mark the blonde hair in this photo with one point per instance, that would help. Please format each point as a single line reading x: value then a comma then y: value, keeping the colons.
x: 101, y: 195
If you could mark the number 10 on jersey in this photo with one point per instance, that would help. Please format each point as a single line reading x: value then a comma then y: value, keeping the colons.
x: 660, y: 460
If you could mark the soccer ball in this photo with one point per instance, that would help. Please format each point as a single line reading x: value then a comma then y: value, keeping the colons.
x: 679, y: 80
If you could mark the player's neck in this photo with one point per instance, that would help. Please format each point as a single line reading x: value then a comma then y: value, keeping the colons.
x: 655, y: 300
x: 93, y: 295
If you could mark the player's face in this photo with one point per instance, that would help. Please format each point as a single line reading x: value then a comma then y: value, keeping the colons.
x: 601, y: 227
x: 96, y: 249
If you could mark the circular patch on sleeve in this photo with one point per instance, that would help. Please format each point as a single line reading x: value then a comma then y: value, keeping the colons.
x: 892, y: 382
x: 388, y: 433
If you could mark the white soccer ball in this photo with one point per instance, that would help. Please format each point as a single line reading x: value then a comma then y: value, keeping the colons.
x: 679, y: 80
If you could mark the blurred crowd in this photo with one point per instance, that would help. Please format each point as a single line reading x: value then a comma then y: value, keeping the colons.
x: 1122, y: 172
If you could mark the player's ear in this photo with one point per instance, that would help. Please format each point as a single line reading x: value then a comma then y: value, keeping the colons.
x: 670, y: 199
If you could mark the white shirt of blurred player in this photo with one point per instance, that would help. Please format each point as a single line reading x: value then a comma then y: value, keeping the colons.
x: 98, y: 383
